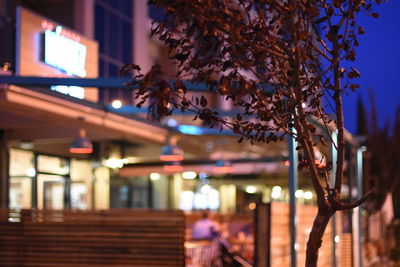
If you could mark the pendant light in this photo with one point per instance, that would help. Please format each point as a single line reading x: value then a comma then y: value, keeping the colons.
x: 81, y: 145
x: 171, y: 152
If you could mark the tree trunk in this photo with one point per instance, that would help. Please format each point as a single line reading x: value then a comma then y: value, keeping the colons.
x: 315, y: 238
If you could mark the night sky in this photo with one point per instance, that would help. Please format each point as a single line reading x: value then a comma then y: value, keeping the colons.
x: 378, y: 60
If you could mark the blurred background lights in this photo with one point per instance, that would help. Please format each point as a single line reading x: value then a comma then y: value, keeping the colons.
x: 116, y: 103
x: 31, y: 172
x: 251, y: 189
x: 205, y: 189
x: 189, y: 175
x: 276, y: 192
x: 252, y: 206
x: 308, y: 195
x: 203, y: 175
x: 337, y: 239
x: 299, y: 193
x: 172, y: 122
x: 114, y: 163
x: 154, y: 176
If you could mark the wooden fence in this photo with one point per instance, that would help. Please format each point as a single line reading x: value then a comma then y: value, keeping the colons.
x: 280, y: 235
x: 92, y: 238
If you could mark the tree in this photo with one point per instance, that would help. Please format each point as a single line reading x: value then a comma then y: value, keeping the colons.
x: 237, y: 48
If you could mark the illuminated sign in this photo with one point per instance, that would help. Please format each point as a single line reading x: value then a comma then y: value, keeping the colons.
x: 63, y: 50
x: 74, y: 91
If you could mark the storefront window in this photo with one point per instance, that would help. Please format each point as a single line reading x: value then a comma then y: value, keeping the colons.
x: 21, y: 163
x: 54, y: 165
x: 21, y: 171
x: 51, y: 191
x: 206, y: 198
x: 79, y: 196
x: 20, y: 193
x: 81, y: 184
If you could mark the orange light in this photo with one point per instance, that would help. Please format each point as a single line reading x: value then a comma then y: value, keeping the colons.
x: 171, y: 157
x: 224, y: 169
x: 287, y: 163
x: 80, y: 150
x: 173, y: 168
x: 252, y: 206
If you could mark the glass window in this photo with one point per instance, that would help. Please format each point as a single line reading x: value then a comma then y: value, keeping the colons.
x: 21, y: 163
x: 81, y: 170
x: 114, y: 36
x: 127, y: 42
x: 50, y: 192
x: 99, y: 27
x: 54, y: 165
x: 126, y: 7
x: 79, y: 196
x: 113, y: 70
x: 113, y: 30
x: 20, y: 193
x: 102, y: 69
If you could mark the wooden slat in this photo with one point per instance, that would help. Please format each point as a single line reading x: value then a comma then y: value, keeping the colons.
x: 92, y: 238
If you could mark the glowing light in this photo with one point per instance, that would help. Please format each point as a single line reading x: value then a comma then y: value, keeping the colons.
x: 31, y: 172
x: 173, y: 167
x: 203, y: 175
x: 81, y: 150
x: 189, y: 175
x: 186, y: 200
x: 251, y: 189
x: 116, y: 104
x: 74, y: 91
x: 287, y: 163
x: 299, y: 193
x: 337, y: 239
x: 154, y: 176
x: 171, y: 157
x: 172, y: 122
x: 252, y: 206
x: 190, y: 129
x: 64, y: 53
x: 276, y: 192
x: 114, y: 163
x: 205, y: 189
x: 277, y: 188
x: 308, y: 195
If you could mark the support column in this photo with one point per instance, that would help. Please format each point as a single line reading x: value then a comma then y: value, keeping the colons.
x: 359, y: 184
x: 4, y: 173
x: 333, y: 152
x: 293, y: 181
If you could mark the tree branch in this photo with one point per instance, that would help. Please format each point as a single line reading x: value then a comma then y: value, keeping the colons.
x: 347, y: 206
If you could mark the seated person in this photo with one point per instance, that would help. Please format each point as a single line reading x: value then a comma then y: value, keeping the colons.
x: 205, y: 228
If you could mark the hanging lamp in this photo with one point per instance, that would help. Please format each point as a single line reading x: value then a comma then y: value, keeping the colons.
x: 172, y: 152
x: 81, y: 145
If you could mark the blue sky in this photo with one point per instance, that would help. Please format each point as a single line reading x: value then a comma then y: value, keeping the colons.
x: 378, y: 60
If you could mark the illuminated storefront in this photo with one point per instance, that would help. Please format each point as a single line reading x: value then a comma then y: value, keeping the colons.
x: 39, y: 124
